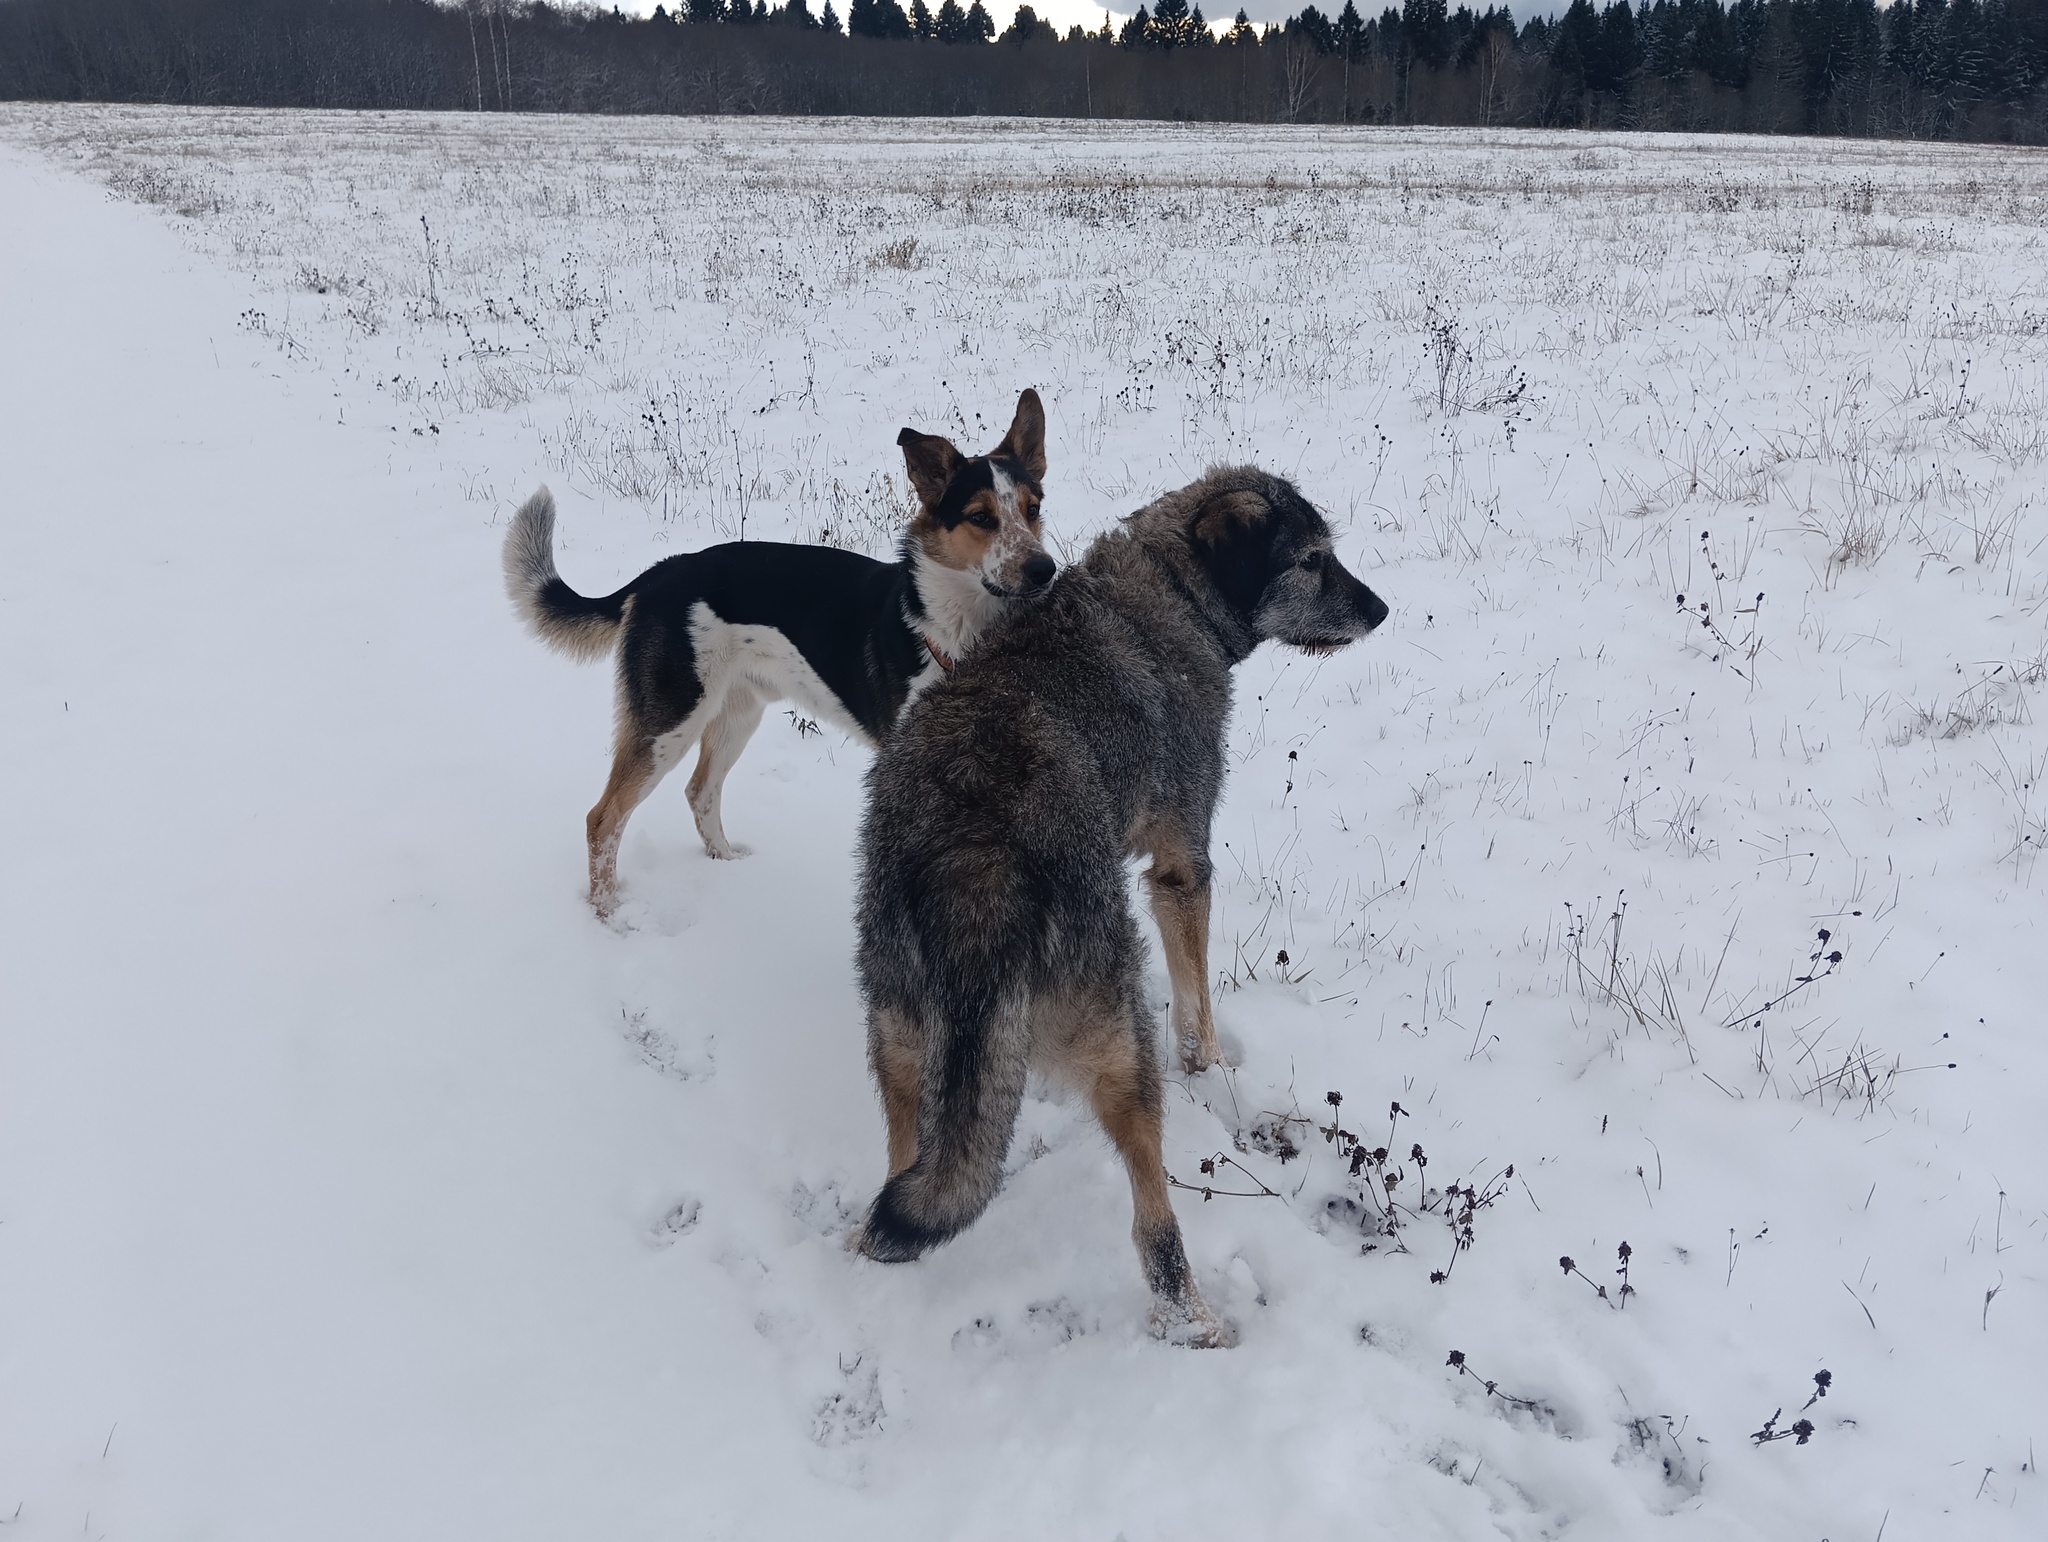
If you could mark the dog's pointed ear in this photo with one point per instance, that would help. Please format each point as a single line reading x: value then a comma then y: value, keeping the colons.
x: 931, y: 462
x: 1025, y: 442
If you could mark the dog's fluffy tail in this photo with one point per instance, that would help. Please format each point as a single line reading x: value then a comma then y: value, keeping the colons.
x: 973, y: 1083
x: 566, y: 621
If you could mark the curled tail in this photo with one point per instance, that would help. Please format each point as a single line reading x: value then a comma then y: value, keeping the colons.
x: 972, y: 1084
x: 566, y: 621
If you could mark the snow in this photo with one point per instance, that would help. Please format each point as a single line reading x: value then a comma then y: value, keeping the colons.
x: 355, y: 1181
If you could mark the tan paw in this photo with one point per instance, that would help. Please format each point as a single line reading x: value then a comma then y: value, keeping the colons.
x: 1191, y: 1325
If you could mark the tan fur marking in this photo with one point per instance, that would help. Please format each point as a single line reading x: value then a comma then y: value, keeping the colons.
x: 1132, y: 1124
x: 965, y: 545
x: 898, y: 1068
x: 631, y: 780
x: 1180, y: 906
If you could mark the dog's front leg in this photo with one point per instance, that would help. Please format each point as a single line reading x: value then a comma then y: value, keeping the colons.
x: 1179, y: 885
x: 1125, y: 1098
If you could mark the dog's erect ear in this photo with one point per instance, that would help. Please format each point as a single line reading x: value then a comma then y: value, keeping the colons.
x: 931, y: 462
x: 1025, y: 442
x: 1232, y: 533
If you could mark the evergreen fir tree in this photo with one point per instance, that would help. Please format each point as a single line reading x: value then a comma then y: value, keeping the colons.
x: 876, y: 18
x: 1315, y: 26
x: 1621, y: 55
x: 1427, y: 29
x: 1575, y: 46
x: 1169, y: 24
x: 1350, y: 32
x: 981, y: 27
x: 950, y: 25
x: 1023, y: 26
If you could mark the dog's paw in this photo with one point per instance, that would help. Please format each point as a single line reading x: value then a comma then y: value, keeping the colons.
x: 1191, y: 1325
x: 619, y: 916
x: 679, y: 1220
x: 823, y: 1209
x: 727, y: 851
x: 1195, y: 1058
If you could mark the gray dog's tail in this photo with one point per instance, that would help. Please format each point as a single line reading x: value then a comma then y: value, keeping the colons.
x: 973, y: 1082
x: 560, y: 617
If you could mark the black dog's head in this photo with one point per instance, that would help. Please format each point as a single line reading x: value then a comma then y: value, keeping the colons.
x: 1267, y: 551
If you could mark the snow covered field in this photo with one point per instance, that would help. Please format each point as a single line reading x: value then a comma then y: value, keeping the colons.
x: 356, y: 1182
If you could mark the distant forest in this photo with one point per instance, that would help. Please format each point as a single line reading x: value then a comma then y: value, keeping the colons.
x: 1949, y: 69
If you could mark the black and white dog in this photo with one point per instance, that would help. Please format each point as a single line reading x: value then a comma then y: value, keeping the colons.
x: 705, y: 641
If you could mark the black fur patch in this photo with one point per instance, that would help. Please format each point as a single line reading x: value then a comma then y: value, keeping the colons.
x: 978, y: 476
x: 843, y: 613
x: 1238, y: 557
x: 558, y: 599
x: 1019, y: 475
x: 1166, y: 1265
x: 973, y: 477
x: 890, y: 1235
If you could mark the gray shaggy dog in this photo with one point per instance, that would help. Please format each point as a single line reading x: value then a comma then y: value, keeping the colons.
x: 995, y: 930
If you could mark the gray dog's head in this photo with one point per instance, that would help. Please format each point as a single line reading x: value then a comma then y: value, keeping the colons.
x: 1267, y: 552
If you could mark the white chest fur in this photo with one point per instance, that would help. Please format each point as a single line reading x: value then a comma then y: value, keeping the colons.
x: 957, y: 606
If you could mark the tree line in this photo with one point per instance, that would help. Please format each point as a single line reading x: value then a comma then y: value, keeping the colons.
x: 1957, y: 69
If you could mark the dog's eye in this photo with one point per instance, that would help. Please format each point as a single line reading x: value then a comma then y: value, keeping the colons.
x: 1313, y: 561
x: 982, y: 521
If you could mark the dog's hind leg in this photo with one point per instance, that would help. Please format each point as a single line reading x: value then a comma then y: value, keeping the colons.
x: 723, y: 741
x: 632, y: 778
x: 1179, y: 885
x: 1126, y: 1099
x: 897, y: 1055
x: 639, y: 763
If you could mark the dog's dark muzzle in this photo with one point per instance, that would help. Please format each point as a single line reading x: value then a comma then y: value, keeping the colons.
x: 1353, y: 609
x: 1033, y: 577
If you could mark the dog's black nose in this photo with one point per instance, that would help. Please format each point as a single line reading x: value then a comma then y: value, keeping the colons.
x: 1375, y: 610
x: 1038, y: 571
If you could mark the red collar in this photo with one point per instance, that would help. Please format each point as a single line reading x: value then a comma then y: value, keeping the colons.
x: 943, y: 662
